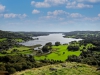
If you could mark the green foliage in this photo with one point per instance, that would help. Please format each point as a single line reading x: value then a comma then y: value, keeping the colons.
x: 3, y: 39
x: 57, y: 43
x: 70, y: 69
x: 11, y: 70
x: 58, y: 53
x: 16, y: 63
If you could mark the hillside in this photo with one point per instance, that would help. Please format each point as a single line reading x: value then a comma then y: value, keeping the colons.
x: 67, y: 68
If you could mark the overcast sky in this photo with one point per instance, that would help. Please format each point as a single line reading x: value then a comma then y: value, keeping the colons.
x: 49, y: 15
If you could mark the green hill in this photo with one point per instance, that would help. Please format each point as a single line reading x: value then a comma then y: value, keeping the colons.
x: 67, y: 68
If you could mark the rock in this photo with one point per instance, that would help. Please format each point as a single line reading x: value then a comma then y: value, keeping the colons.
x: 97, y: 69
x: 53, y: 69
x: 63, y: 65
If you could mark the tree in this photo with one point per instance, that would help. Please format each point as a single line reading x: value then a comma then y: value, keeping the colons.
x: 57, y: 43
x: 49, y: 44
x: 11, y: 70
x: 45, y: 48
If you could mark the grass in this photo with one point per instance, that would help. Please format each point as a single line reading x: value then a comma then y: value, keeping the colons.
x: 60, y: 53
x: 21, y: 48
x: 18, y: 50
x: 19, y: 40
x: 3, y: 39
x: 70, y: 69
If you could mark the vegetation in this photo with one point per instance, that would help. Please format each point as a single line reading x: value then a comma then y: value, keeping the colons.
x: 17, y: 50
x: 61, y: 69
x: 16, y: 57
x: 90, y: 53
x: 16, y: 63
x: 12, y: 35
x: 58, y: 53
x: 3, y: 39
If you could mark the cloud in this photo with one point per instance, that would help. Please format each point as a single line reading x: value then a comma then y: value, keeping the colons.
x: 48, y: 3
x: 40, y: 4
x: 98, y: 15
x: 66, y: 3
x: 35, y: 11
x: 91, y: 1
x: 2, y: 8
x: 12, y: 15
x: 56, y: 2
x: 62, y: 15
x: 91, y: 19
x: 75, y: 15
x: 57, y: 12
x: 77, y: 5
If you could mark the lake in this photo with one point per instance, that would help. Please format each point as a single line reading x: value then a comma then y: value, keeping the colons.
x: 49, y: 38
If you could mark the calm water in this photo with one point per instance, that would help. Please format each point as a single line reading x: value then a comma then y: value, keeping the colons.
x: 50, y: 38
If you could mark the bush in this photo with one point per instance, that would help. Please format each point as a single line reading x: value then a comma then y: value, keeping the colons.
x: 12, y: 70
x: 57, y: 43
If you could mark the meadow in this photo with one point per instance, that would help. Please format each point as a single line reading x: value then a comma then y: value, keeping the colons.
x: 59, y: 53
x: 17, y: 50
x: 3, y: 39
x: 71, y: 68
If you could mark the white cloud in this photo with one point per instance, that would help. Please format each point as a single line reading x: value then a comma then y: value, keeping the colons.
x: 81, y: 5
x: 57, y: 12
x: 68, y: 3
x: 40, y: 4
x: 12, y: 15
x: 91, y: 18
x: 91, y: 1
x: 35, y: 11
x: 62, y: 15
x: 24, y: 15
x: 75, y: 15
x: 48, y: 3
x: 2, y: 8
x: 56, y: 2
x: 33, y: 2
x: 98, y: 15
x: 77, y: 5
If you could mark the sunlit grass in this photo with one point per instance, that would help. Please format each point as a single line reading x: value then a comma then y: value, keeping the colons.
x: 70, y: 69
x: 3, y: 39
x: 61, y: 53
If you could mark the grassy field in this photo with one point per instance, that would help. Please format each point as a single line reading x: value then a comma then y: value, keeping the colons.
x: 3, y: 39
x: 19, y: 40
x: 69, y: 69
x: 18, y: 50
x: 59, y: 53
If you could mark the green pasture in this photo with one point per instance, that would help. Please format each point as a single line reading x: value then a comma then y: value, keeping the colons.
x: 19, y: 40
x: 17, y: 50
x: 60, y: 53
x: 3, y: 39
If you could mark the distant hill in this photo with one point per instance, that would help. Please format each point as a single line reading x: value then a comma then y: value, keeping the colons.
x: 67, y: 68
x: 12, y: 35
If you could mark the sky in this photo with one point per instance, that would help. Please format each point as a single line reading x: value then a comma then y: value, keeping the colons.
x: 50, y: 15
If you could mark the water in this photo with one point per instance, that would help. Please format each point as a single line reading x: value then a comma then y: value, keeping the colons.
x: 50, y: 38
